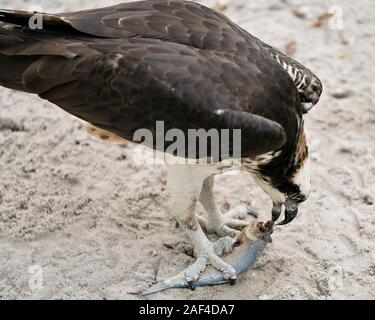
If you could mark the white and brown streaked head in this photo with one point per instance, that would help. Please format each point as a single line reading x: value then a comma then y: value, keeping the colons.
x: 286, y: 179
x: 310, y: 95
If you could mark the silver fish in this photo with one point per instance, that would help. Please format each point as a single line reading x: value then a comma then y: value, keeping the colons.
x: 250, y: 243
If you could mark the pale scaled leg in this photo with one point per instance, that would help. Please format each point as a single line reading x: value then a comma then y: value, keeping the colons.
x: 227, y: 224
x: 184, y: 185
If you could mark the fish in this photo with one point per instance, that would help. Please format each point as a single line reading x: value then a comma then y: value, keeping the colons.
x: 248, y: 246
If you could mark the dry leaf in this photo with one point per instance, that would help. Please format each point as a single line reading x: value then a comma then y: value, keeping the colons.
x: 322, y: 20
x: 300, y: 12
x: 340, y: 55
x: 341, y: 93
x: 221, y: 5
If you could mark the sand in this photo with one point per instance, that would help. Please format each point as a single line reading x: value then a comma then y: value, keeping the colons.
x: 80, y: 218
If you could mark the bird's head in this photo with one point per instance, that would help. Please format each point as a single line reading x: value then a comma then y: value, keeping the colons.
x: 295, y: 190
x: 287, y: 181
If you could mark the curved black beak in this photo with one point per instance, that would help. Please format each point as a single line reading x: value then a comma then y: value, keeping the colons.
x: 291, y: 210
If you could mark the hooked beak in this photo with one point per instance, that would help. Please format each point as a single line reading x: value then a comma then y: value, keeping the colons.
x: 291, y: 210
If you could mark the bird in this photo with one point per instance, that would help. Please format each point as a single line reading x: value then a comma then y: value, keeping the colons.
x: 129, y: 66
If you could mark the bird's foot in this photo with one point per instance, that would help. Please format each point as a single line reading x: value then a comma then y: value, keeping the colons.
x: 230, y: 223
x: 210, y: 255
x: 207, y: 255
x: 250, y: 243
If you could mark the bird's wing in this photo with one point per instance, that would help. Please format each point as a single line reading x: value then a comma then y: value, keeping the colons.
x: 177, y: 21
x: 123, y: 67
x: 191, y: 24
x: 181, y: 22
x: 128, y: 86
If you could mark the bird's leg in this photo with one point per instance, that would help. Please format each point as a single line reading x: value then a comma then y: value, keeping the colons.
x: 227, y: 224
x: 184, y: 185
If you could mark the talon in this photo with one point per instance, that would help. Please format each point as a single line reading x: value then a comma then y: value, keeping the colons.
x: 228, y: 224
x: 224, y: 273
x: 237, y: 243
x: 191, y: 285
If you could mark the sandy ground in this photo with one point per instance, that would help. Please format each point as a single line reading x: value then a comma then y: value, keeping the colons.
x: 83, y: 219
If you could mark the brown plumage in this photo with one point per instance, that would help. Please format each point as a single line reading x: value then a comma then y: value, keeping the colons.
x: 122, y: 68
x: 125, y: 67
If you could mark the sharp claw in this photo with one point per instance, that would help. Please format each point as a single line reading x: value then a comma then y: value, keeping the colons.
x: 246, y: 258
x: 276, y: 211
x: 191, y: 285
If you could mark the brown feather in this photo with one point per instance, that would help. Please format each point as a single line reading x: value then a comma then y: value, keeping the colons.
x: 124, y: 67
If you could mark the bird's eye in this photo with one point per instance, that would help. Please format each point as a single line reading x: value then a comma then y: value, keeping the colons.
x: 301, y: 199
x: 297, y: 197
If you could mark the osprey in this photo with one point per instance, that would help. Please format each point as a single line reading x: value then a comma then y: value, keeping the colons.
x: 125, y: 67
